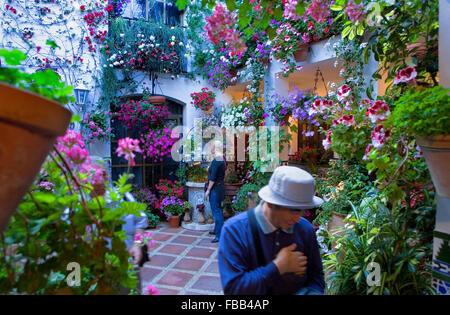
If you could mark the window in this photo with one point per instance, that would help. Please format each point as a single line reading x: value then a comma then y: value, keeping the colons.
x: 160, y: 11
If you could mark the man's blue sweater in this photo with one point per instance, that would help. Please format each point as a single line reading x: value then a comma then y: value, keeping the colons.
x: 238, y: 265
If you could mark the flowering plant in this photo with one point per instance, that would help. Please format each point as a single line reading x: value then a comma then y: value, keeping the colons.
x: 127, y: 147
x: 203, y: 100
x: 172, y: 206
x: 142, y: 113
x: 144, y: 239
x: 46, y: 220
x: 296, y: 105
x: 144, y: 46
x: 242, y: 114
x: 305, y: 154
x: 167, y: 187
x: 97, y: 124
x: 157, y: 143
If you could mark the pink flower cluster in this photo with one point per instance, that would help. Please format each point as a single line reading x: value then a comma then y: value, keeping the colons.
x: 327, y: 141
x: 356, y: 13
x: 319, y: 10
x: 320, y: 105
x: 379, y: 136
x: 151, y: 290
x: 343, y: 92
x: 157, y: 143
x: 378, y: 111
x: 289, y: 10
x: 347, y: 120
x: 96, y: 131
x: 144, y: 239
x: 405, y: 75
x: 221, y: 26
x: 134, y: 113
x: 127, y: 147
x: 72, y: 146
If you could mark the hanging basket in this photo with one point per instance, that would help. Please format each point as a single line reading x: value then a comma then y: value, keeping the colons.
x: 302, y: 53
x: 436, y: 151
x: 29, y: 126
x: 157, y: 100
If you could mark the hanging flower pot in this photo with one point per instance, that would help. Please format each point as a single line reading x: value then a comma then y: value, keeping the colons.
x: 436, y: 151
x: 157, y: 100
x: 29, y: 126
x: 302, y: 53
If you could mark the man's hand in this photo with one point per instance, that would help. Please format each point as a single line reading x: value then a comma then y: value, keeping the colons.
x: 289, y: 261
x: 136, y: 253
x: 207, y: 195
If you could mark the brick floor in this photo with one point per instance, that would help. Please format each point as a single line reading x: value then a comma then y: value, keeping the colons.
x: 208, y: 283
x: 182, y: 262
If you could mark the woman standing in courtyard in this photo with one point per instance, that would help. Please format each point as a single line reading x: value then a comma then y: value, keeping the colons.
x: 215, y: 187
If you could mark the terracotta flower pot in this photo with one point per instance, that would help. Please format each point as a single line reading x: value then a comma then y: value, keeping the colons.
x: 302, y: 53
x: 29, y: 125
x: 157, y: 100
x: 174, y: 221
x: 436, y: 151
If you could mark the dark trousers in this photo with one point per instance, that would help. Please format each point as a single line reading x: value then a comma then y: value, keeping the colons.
x: 215, y: 200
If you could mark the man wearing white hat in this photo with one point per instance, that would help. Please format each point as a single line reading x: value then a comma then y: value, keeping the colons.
x: 271, y: 249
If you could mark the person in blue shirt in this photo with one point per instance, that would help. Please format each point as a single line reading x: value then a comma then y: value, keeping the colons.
x: 215, y: 187
x: 285, y: 257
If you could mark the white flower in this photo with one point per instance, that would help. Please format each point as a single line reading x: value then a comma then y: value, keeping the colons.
x: 173, y: 37
x: 181, y: 44
x: 122, y: 35
x: 152, y: 38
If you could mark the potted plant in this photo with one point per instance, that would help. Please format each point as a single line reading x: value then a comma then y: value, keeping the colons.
x: 204, y: 100
x: 246, y: 198
x: 173, y: 207
x: 197, y: 173
x: 424, y: 113
x: 30, y: 124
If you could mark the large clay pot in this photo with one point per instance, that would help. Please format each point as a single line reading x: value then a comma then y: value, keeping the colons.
x: 302, y: 53
x: 436, y: 151
x: 29, y: 125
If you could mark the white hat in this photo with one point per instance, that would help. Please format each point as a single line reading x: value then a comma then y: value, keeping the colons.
x: 290, y: 187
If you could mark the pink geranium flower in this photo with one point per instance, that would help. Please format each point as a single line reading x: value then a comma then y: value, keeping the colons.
x: 127, y: 147
x: 379, y: 136
x: 347, y: 120
x: 343, y: 92
x: 378, y: 111
x: 77, y: 154
x: 327, y: 141
x: 151, y: 290
x: 319, y: 10
x: 405, y: 75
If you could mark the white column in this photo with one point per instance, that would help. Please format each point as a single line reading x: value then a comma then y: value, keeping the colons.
x: 441, y: 272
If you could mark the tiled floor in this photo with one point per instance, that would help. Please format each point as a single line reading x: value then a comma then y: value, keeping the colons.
x: 182, y: 262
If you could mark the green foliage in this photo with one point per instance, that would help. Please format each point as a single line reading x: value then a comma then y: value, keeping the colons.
x: 247, y: 191
x: 50, y: 230
x: 153, y: 219
x: 424, y: 112
x: 344, y: 183
x: 399, y: 240
x: 350, y: 142
x: 45, y: 83
x: 197, y: 173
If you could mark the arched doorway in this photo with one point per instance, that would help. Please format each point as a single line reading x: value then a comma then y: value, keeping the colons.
x: 146, y: 173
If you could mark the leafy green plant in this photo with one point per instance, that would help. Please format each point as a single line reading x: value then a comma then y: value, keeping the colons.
x: 52, y: 229
x: 197, y: 173
x: 241, y: 201
x: 423, y: 112
x: 45, y: 83
x: 397, y: 240
x: 153, y: 219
